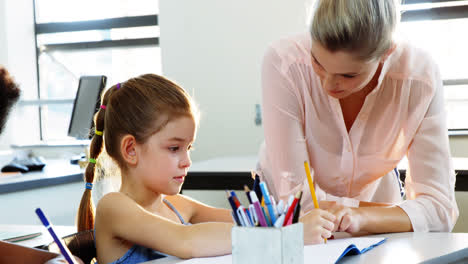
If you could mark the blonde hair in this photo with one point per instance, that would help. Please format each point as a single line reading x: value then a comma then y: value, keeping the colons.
x: 362, y: 27
x: 140, y: 107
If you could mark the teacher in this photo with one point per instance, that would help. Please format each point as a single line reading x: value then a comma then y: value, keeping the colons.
x: 352, y: 101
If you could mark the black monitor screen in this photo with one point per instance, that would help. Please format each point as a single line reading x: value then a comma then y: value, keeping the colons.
x: 87, y: 102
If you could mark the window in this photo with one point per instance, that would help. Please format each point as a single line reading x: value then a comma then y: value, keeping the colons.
x: 440, y: 28
x: 116, y: 38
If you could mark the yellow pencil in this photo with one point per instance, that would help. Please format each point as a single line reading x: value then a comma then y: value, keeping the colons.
x: 311, y: 186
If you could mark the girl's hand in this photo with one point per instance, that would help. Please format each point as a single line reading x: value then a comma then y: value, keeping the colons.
x: 318, y: 224
x: 347, y: 219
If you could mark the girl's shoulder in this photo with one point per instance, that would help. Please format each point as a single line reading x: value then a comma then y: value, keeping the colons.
x: 107, y: 204
x: 113, y: 197
x: 181, y: 202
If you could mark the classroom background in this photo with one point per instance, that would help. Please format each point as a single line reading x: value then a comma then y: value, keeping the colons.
x: 211, y: 48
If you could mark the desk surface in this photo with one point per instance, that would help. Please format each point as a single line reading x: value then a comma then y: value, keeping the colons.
x: 55, y: 172
x: 41, y: 240
x: 399, y: 248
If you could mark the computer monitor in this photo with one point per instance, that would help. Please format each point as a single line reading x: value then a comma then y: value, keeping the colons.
x: 87, y: 102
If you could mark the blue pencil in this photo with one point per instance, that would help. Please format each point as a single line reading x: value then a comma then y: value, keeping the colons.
x: 63, y: 248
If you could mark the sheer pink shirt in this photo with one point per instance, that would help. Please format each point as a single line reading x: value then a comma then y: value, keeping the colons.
x: 403, y: 115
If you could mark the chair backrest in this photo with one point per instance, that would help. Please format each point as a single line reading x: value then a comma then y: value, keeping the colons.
x: 81, y: 244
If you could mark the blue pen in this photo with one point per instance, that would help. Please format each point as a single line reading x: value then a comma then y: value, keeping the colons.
x: 266, y: 197
x: 233, y: 194
x: 63, y: 248
x: 234, y: 209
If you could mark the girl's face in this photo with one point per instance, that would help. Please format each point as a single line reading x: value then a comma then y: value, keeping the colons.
x: 340, y: 73
x: 165, y: 157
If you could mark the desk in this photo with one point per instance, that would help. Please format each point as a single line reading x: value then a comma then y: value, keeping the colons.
x: 55, y: 172
x: 234, y: 172
x: 399, y: 248
x: 41, y: 240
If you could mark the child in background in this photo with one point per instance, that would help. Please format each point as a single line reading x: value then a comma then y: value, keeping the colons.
x: 149, y: 125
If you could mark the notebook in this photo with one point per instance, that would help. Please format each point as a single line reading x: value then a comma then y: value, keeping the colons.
x: 16, y: 236
x: 336, y: 249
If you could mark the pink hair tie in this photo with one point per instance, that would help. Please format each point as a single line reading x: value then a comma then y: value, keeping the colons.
x: 103, y: 107
x: 118, y: 86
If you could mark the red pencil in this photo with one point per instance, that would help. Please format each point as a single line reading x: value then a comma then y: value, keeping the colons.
x: 291, y: 208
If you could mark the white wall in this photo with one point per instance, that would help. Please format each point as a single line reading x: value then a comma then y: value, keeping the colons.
x: 17, y: 54
x: 459, y: 146
x: 214, y: 50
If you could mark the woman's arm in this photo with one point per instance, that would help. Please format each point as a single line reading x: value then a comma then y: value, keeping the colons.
x: 285, y: 147
x: 368, y: 218
x: 430, y: 178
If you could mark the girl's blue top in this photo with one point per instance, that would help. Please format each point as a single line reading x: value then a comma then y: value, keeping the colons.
x: 137, y: 253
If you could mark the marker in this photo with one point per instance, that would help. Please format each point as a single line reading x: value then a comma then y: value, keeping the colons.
x: 266, y: 197
x: 63, y: 248
x: 241, y: 212
x: 258, y: 209
x: 279, y: 221
x: 253, y: 213
x: 280, y: 207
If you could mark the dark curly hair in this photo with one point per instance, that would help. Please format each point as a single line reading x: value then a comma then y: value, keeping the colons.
x: 9, y: 94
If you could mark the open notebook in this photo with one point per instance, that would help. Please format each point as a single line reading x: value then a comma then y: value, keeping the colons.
x: 332, y: 252
x: 335, y: 249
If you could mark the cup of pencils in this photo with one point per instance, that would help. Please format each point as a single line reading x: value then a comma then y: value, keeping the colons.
x: 266, y: 231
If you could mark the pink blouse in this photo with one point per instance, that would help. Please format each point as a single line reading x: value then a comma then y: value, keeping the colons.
x: 403, y: 115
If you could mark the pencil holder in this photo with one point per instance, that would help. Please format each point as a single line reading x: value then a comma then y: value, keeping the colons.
x: 268, y: 244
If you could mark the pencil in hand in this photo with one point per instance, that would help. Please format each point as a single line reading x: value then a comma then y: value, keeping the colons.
x: 311, y: 187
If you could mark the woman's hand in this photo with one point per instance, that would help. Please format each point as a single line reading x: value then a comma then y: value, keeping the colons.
x: 347, y: 219
x: 318, y: 224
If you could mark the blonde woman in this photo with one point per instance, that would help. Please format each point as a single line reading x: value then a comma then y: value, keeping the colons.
x: 351, y: 100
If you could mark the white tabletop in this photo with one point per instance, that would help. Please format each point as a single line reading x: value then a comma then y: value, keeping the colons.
x: 44, y: 239
x: 399, y: 248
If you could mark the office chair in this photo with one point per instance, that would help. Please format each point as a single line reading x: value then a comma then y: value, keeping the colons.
x: 81, y: 244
